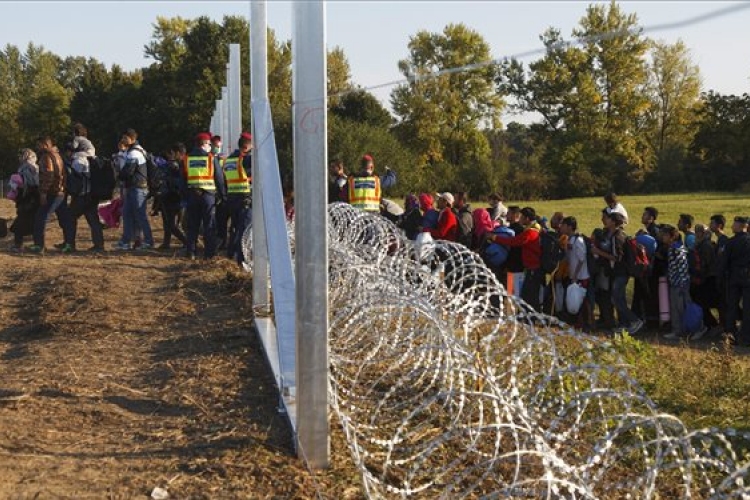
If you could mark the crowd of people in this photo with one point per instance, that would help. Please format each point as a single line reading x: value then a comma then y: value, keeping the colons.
x: 680, y: 273
x: 199, y: 193
x: 675, y: 270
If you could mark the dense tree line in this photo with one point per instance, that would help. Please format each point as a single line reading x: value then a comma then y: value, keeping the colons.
x: 616, y: 110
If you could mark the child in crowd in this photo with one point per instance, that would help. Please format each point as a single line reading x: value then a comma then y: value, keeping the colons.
x: 678, y: 277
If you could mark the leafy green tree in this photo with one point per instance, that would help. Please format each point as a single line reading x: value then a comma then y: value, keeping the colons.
x: 722, y: 142
x: 670, y: 123
x: 45, y: 103
x: 441, y: 116
x: 363, y: 107
x: 12, y: 87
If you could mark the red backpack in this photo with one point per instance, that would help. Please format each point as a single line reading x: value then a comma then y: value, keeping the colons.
x: 636, y: 258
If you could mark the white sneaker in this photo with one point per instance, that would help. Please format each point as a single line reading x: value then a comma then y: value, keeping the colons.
x: 699, y: 334
x: 672, y: 336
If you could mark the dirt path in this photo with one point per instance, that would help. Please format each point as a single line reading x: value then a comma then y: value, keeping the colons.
x: 123, y: 372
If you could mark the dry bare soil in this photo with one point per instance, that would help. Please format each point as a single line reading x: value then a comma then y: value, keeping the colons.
x: 125, y: 371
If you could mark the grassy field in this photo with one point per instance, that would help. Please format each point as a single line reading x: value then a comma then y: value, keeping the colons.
x: 701, y: 205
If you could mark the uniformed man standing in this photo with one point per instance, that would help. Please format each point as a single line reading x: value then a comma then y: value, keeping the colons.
x: 205, y: 185
x: 238, y: 175
x: 365, y: 189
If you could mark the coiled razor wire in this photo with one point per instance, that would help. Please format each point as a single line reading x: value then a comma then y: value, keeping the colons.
x: 447, y: 387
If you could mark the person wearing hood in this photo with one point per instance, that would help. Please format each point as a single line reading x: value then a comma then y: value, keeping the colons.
x: 27, y: 198
x: 411, y: 220
x: 429, y: 214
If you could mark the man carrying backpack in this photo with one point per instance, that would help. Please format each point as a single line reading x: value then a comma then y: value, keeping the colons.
x: 168, y: 194
x: 134, y: 175
x: 82, y: 201
x: 613, y: 222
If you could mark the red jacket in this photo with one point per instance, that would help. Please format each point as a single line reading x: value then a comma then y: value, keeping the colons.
x: 447, y: 227
x: 531, y: 247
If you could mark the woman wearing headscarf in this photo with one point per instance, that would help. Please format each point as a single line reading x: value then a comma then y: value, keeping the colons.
x: 27, y: 200
x: 411, y: 220
x: 483, y: 224
x: 429, y: 214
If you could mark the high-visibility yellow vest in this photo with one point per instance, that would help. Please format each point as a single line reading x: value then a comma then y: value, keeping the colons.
x: 364, y: 193
x: 237, y: 180
x: 200, y: 172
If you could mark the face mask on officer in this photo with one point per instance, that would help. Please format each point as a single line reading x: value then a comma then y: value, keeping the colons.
x: 206, y: 147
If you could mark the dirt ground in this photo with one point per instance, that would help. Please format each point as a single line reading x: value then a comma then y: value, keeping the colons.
x: 125, y: 371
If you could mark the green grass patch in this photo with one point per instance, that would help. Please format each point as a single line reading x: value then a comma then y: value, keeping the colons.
x: 588, y: 210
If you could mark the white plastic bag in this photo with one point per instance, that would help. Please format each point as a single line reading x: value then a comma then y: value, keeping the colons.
x: 574, y: 297
x: 424, y: 245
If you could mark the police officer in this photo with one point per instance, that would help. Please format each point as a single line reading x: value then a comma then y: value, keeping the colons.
x: 238, y: 175
x: 205, y: 185
x: 365, y: 189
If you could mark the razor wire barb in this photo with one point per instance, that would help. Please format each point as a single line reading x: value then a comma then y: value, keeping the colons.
x: 445, y: 386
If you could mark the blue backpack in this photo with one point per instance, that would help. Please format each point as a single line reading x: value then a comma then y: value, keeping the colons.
x: 495, y: 254
x: 692, y: 318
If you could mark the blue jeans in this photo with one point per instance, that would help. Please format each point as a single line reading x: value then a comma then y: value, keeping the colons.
x: 57, y: 205
x: 242, y: 218
x: 201, y: 208
x: 135, y: 216
x: 625, y: 316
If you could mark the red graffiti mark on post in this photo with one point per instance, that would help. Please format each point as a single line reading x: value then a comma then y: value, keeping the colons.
x: 310, y: 121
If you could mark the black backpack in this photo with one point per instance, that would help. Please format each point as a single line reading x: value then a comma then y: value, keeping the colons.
x: 552, y: 253
x: 154, y: 177
x: 102, y: 178
x: 75, y: 182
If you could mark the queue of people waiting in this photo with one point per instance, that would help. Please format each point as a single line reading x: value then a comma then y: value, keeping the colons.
x: 680, y: 274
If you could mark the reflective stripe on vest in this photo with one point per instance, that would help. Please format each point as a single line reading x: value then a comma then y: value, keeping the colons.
x: 364, y: 193
x: 234, y: 173
x: 200, y: 172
